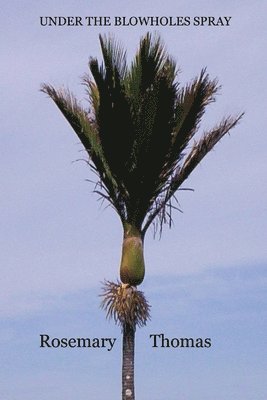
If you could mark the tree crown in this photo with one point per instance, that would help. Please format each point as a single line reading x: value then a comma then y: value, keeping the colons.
x: 138, y: 131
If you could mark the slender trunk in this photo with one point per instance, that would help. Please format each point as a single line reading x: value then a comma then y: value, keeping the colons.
x: 128, y: 363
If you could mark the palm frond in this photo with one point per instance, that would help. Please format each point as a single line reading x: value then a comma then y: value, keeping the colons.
x: 87, y: 132
x: 152, y: 93
x: 111, y: 107
x: 153, y: 138
x: 114, y: 58
x: 150, y: 61
x: 93, y: 94
x: 191, y: 104
x: 200, y: 149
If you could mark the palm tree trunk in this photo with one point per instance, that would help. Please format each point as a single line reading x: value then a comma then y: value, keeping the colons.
x: 128, y: 362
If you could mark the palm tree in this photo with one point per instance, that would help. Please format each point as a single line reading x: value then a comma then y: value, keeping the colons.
x: 138, y: 134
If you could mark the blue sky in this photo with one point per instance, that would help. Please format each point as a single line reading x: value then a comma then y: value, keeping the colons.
x: 205, y: 277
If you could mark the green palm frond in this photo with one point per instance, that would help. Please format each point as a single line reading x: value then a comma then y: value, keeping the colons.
x: 87, y: 131
x: 150, y: 61
x: 199, y: 150
x: 93, y: 94
x: 151, y: 90
x: 114, y: 58
x: 111, y: 107
x: 190, y: 108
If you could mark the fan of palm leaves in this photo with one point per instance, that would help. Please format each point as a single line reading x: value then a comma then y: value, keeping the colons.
x: 139, y: 129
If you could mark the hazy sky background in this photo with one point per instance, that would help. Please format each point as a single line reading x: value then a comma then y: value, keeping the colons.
x: 205, y: 278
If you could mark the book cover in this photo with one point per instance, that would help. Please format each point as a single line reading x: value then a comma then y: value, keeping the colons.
x: 116, y: 155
